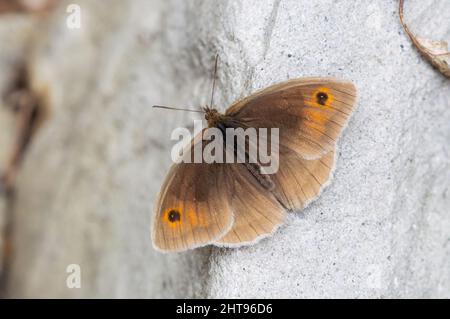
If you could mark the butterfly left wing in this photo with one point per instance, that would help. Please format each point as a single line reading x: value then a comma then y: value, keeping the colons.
x: 193, y: 206
x: 298, y: 181
x: 215, y: 203
x: 193, y: 209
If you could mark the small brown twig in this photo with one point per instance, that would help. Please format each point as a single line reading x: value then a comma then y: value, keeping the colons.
x: 25, y: 104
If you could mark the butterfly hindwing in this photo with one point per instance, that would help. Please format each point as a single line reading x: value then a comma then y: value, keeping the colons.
x: 256, y: 211
x: 299, y: 181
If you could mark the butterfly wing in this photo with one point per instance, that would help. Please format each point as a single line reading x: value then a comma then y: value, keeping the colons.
x: 257, y: 213
x: 310, y: 115
x: 193, y: 207
x: 309, y: 112
x: 299, y: 181
x: 215, y: 203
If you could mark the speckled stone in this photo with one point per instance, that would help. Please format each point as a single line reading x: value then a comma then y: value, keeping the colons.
x: 87, y: 187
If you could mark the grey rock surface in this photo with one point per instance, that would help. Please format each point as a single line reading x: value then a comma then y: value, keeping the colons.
x: 85, y: 192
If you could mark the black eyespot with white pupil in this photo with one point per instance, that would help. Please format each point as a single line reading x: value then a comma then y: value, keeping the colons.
x: 173, y: 216
x: 322, y: 98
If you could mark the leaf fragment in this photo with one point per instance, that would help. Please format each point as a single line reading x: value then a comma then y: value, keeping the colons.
x: 26, y: 6
x: 435, y: 52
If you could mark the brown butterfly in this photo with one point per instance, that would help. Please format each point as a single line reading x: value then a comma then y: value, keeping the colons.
x: 234, y: 204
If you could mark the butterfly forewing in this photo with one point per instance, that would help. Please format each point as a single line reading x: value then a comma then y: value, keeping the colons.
x: 310, y: 113
x: 193, y: 208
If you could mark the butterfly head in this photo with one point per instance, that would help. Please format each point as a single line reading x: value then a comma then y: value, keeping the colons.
x: 213, y: 117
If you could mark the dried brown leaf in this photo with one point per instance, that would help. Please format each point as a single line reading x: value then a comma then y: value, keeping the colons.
x: 26, y: 6
x: 436, y: 52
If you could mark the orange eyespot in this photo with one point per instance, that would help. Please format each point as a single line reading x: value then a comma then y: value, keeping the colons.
x: 172, y: 216
x: 321, y: 97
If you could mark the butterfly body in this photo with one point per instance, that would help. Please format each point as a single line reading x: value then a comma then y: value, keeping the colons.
x: 234, y: 204
x: 223, y: 122
x: 214, y: 118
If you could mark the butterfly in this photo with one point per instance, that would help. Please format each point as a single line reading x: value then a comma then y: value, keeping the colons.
x: 232, y: 205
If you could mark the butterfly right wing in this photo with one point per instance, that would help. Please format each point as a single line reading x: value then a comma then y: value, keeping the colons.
x: 310, y: 114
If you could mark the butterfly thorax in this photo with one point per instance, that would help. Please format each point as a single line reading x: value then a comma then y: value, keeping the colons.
x: 213, y: 117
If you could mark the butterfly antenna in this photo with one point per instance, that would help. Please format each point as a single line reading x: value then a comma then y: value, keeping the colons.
x: 177, y: 109
x: 214, y: 81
